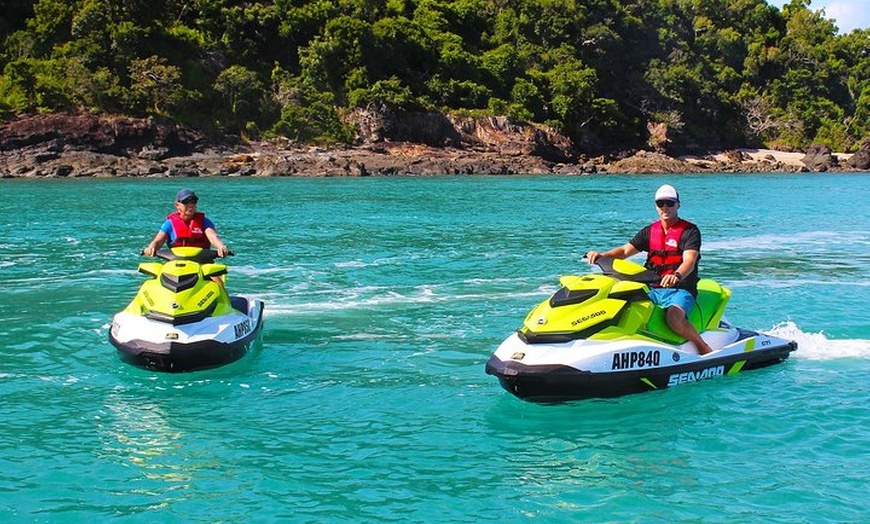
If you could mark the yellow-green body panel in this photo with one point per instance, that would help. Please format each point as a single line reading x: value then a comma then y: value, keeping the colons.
x: 627, y: 267
x: 611, y: 309
x: 156, y: 298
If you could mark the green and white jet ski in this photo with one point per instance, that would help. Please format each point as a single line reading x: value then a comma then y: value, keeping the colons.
x: 600, y: 335
x: 181, y: 319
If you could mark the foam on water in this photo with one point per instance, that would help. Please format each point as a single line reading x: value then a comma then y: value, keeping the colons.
x: 362, y: 298
x: 817, y: 346
x: 795, y: 283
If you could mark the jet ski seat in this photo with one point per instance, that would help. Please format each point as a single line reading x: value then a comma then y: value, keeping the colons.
x: 707, y: 313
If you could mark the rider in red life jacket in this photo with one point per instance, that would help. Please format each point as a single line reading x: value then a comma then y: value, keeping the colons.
x: 187, y: 227
x: 673, y: 247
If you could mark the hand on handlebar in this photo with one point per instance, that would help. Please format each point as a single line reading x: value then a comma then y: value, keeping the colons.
x: 222, y: 250
x: 670, y: 280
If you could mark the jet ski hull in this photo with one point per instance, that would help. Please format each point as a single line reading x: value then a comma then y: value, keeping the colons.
x: 209, y: 343
x: 625, y: 367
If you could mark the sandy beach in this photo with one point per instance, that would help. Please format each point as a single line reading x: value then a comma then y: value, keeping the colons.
x: 784, y: 157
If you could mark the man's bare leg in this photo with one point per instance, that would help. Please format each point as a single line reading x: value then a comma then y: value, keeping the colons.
x: 680, y: 324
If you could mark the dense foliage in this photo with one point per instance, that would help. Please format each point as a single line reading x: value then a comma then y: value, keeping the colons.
x: 607, y: 73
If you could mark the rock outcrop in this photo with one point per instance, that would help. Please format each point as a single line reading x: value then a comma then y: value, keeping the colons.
x: 820, y: 158
x: 860, y: 161
x: 106, y: 134
x: 648, y: 162
x: 65, y: 145
x: 493, y: 134
x: 379, y: 124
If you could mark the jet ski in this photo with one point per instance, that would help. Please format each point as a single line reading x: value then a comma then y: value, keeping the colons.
x: 600, y: 335
x: 182, y: 319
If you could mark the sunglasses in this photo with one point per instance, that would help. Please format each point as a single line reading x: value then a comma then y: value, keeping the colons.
x: 664, y: 203
x: 191, y: 200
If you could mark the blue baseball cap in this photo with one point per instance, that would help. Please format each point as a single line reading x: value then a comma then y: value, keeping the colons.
x: 184, y: 194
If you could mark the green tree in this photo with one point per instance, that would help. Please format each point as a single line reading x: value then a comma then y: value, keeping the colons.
x: 156, y: 83
x: 242, y: 91
x: 307, y: 114
x: 330, y: 58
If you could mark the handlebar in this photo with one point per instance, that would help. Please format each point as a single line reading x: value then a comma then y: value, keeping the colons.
x: 204, y: 256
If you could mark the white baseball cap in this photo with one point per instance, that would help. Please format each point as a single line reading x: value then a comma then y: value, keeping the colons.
x: 667, y: 192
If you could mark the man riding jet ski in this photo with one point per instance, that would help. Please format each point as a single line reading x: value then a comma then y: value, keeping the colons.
x: 600, y: 335
x: 182, y: 318
x: 691, y: 309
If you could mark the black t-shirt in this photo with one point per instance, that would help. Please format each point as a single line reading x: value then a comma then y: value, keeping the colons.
x: 690, y: 239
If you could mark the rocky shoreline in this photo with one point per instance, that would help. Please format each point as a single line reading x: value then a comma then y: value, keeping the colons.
x: 64, y: 146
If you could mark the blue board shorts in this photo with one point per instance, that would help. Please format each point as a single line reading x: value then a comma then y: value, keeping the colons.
x: 667, y: 297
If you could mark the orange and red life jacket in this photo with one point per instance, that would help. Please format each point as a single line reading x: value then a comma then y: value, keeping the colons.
x: 665, y: 255
x: 189, y: 234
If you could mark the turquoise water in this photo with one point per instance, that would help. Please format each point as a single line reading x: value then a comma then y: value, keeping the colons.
x: 368, y: 401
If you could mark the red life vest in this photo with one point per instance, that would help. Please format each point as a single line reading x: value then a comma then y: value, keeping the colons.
x: 191, y: 234
x: 665, y: 255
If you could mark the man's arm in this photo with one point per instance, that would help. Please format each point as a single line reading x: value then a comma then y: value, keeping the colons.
x: 159, y: 240
x: 690, y: 258
x: 216, y: 242
x: 623, y: 251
